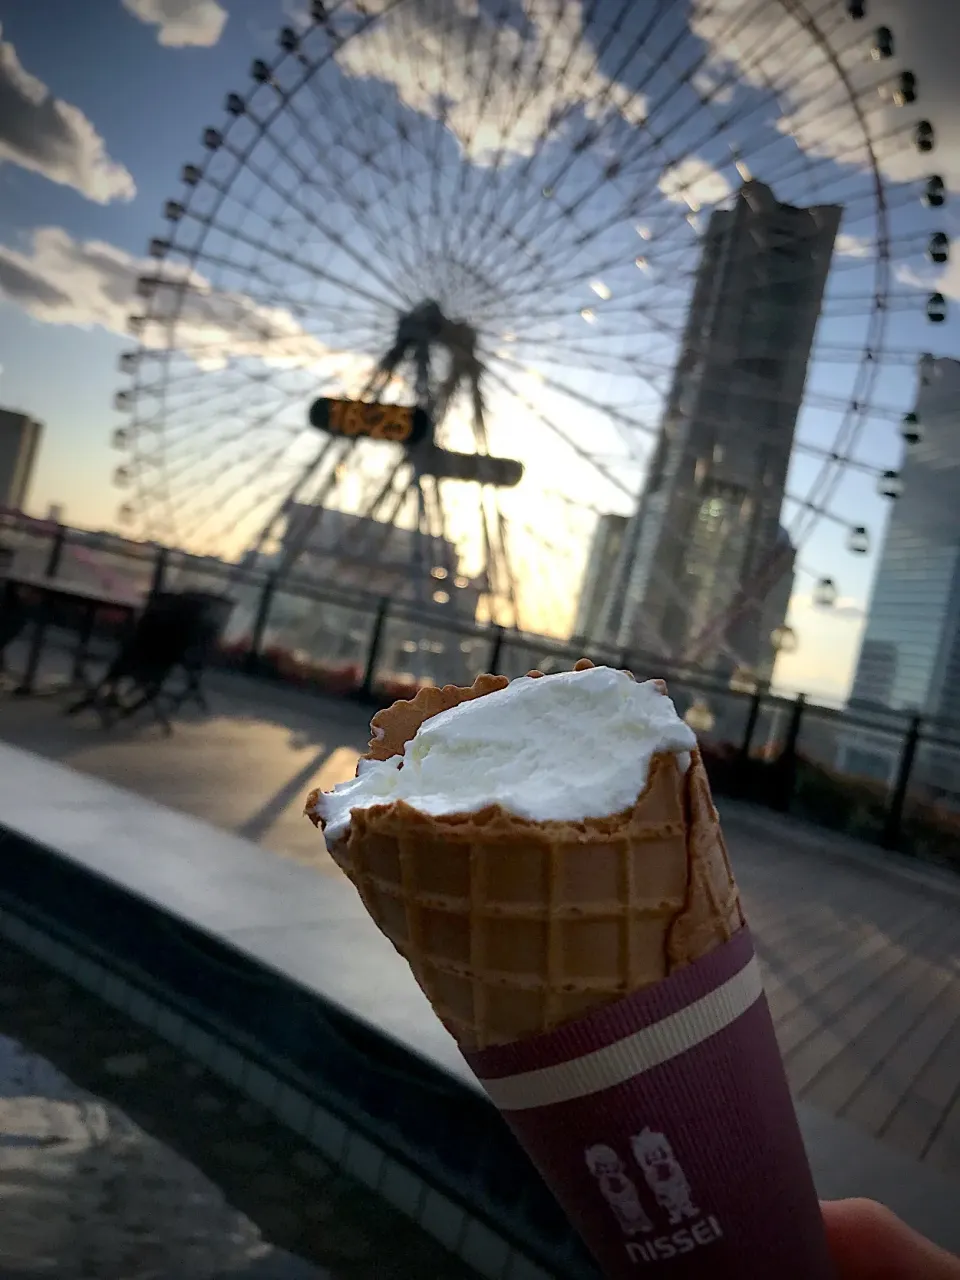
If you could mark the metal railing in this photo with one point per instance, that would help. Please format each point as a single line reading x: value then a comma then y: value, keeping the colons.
x: 873, y: 772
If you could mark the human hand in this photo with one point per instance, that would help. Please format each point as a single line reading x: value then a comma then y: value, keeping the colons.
x: 868, y: 1242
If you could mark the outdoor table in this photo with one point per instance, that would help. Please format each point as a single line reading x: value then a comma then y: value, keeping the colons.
x: 53, y: 590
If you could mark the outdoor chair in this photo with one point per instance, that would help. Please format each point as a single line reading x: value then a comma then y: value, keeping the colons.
x: 14, y: 614
x: 169, y: 630
x: 213, y: 615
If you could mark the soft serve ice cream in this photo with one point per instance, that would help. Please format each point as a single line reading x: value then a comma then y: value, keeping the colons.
x: 546, y: 855
x: 558, y: 748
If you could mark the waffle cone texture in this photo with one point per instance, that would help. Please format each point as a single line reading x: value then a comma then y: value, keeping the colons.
x: 514, y: 927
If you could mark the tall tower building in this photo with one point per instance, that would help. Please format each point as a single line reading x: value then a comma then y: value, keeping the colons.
x: 20, y: 437
x: 910, y: 654
x: 706, y: 537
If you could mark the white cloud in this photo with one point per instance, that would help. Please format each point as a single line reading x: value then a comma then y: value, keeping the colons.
x: 825, y: 659
x: 694, y: 182
x: 850, y: 246
x: 91, y: 284
x: 53, y: 138
x: 930, y: 279
x: 536, y: 81
x: 181, y: 22
x: 714, y: 83
x: 844, y: 607
x: 814, y: 106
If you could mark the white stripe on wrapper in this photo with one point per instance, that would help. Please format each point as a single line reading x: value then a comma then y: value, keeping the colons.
x: 617, y: 1063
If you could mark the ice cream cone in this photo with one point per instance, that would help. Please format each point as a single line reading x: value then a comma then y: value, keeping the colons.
x: 514, y: 927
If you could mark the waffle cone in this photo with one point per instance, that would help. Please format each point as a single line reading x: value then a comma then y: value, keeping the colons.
x: 513, y: 927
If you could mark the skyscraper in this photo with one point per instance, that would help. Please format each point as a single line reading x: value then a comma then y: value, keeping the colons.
x: 705, y: 550
x: 605, y: 549
x: 910, y: 655
x: 20, y: 437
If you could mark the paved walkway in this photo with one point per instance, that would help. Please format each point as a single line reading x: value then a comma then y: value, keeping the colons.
x: 861, y: 952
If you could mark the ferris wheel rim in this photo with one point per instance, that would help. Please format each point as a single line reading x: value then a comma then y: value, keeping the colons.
x: 858, y: 412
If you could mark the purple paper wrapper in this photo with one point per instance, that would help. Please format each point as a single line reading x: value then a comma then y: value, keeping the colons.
x: 665, y: 1127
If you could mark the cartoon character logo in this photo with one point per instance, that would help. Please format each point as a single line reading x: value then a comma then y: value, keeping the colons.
x: 617, y: 1189
x: 664, y: 1176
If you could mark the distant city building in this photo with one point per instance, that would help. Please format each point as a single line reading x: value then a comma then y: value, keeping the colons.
x: 20, y: 437
x: 706, y: 538
x: 358, y: 553
x: 605, y: 549
x: 56, y: 513
x: 910, y: 654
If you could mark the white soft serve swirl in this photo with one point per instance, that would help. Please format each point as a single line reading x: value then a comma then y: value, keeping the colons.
x: 556, y: 748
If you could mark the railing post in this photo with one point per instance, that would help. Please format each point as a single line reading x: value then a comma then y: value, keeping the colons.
x: 496, y: 649
x: 894, y: 819
x: 260, y: 623
x: 56, y: 552
x: 753, y: 715
x: 159, y: 572
x: 787, y: 763
x: 373, y: 653
x: 746, y: 743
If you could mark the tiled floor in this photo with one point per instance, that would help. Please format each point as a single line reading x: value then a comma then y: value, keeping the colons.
x: 862, y: 967
x: 863, y: 980
x: 121, y: 1158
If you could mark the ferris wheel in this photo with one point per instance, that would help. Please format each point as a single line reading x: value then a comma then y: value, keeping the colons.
x: 427, y: 290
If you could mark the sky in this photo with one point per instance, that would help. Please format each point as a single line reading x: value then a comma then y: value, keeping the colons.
x: 102, y: 103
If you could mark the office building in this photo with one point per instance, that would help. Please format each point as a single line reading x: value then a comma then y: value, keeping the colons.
x: 362, y: 554
x: 910, y: 654
x: 357, y: 553
x: 20, y: 437
x: 705, y: 553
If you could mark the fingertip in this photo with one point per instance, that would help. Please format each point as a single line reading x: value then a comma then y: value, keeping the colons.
x: 869, y: 1242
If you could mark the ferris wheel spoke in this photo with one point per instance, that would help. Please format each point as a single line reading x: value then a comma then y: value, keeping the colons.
x: 489, y: 216
x: 415, y: 140
x: 400, y: 182
x: 388, y: 237
x: 555, y: 178
x: 288, y: 252
x: 643, y: 137
x: 416, y: 143
x: 313, y: 511
x: 617, y: 416
x: 721, y: 126
x: 181, y: 459
x: 212, y: 487
x: 207, y: 523
x: 859, y: 210
x: 619, y: 364
x: 527, y: 90
x: 898, y: 137
x: 620, y: 418
x: 268, y: 328
x: 292, y: 200
x: 310, y: 269
x: 235, y: 393
x: 848, y: 434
